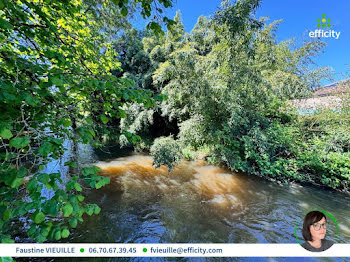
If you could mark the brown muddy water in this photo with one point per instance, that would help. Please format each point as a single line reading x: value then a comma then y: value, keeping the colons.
x: 200, y: 203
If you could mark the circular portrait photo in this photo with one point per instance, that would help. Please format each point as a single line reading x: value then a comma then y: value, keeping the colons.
x: 314, y: 232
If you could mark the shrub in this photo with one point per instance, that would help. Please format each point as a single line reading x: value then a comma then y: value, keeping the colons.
x: 166, y: 151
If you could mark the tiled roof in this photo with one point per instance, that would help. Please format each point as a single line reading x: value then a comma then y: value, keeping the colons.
x: 324, y: 97
x: 332, y: 89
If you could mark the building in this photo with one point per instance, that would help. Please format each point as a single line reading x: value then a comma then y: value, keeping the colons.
x: 329, y: 96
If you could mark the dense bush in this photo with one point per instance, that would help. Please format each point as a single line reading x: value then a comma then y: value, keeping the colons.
x: 325, y: 152
x: 166, y: 151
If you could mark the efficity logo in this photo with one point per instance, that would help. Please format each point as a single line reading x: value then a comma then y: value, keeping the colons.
x: 325, y: 23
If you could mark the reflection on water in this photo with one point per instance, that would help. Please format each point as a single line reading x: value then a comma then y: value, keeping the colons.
x: 84, y: 155
x: 199, y: 203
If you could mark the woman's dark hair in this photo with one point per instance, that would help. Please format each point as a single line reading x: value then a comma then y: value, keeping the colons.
x: 311, y: 218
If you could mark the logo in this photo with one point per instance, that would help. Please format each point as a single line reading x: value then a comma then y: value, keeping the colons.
x: 320, y: 33
x: 323, y: 22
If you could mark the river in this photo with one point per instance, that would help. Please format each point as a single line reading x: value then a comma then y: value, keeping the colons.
x: 200, y: 203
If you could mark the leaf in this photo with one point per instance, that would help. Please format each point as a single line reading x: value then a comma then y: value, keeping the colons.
x: 67, y: 210
x: 32, y: 185
x: 22, y: 172
x: 124, y: 11
x: 155, y: 27
x: 44, y: 178
x: 57, y: 81
x: 90, y: 210
x: 73, y: 222
x: 7, y: 214
x: 58, y: 235
x: 16, y: 182
x: 31, y: 100
x: 99, y: 184
x: 4, y: 24
x: 107, y: 180
x: 7, y: 240
x: 45, y: 232
x: 80, y: 197
x: 19, y: 142
x: 45, y: 149
x: 6, y: 133
x: 10, y: 97
x: 57, y: 141
x: 92, y: 132
x: 84, y: 134
x: 70, y: 185
x: 77, y: 187
x: 71, y: 163
x: 97, y: 209
x: 51, y: 207
x: 92, y: 170
x: 67, y: 123
x: 65, y: 233
x: 39, y: 217
x: 89, y: 121
x: 104, y: 119
x: 30, y: 206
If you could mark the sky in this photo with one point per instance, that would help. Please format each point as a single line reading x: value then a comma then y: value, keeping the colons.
x: 299, y: 18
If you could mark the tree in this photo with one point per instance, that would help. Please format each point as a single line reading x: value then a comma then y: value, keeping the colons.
x: 228, y: 85
x: 56, y: 83
x: 141, y: 53
x: 166, y: 151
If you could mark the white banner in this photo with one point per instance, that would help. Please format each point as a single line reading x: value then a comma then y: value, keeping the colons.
x: 168, y: 250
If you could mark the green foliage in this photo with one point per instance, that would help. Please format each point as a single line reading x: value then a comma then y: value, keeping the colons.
x: 57, y: 83
x: 228, y: 85
x: 6, y: 259
x: 190, y: 153
x: 144, y: 145
x: 140, y: 53
x: 166, y: 151
x: 192, y: 133
x: 137, y: 119
x: 325, y: 152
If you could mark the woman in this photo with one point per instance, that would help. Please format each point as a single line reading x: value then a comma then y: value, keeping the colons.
x: 314, y: 231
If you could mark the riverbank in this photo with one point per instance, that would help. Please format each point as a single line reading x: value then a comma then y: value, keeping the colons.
x: 299, y: 177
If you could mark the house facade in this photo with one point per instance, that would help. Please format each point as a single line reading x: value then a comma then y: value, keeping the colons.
x: 325, y: 97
